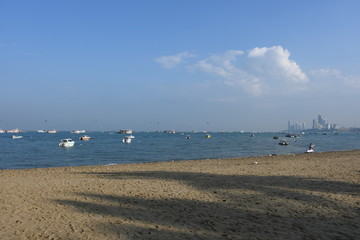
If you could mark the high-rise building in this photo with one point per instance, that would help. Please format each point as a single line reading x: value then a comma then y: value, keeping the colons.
x: 296, y: 126
x: 322, y: 120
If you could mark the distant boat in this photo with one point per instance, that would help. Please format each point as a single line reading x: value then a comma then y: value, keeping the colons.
x: 66, y: 143
x: 16, y: 137
x: 52, y: 131
x: 16, y: 130
x: 170, y: 131
x: 78, y: 131
x: 283, y: 143
x: 42, y: 131
x: 207, y: 136
x: 85, y: 138
x: 125, y: 131
x: 293, y: 135
x: 126, y: 139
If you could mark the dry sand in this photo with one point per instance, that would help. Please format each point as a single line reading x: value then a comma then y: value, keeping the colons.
x: 305, y: 196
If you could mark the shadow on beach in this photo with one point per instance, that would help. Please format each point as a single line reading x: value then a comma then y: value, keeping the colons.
x: 215, y: 206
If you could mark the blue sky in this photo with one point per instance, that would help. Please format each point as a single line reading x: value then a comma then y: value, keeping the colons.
x: 183, y: 65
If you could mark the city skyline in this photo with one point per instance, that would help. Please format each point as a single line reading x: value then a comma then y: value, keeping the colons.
x: 184, y: 65
x: 319, y: 123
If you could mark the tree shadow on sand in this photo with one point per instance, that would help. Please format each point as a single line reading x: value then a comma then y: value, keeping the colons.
x: 234, y: 207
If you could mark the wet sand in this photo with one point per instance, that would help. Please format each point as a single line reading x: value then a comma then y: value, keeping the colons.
x: 304, y: 196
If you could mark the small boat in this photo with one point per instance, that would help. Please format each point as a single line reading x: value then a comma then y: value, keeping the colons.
x: 85, y: 138
x: 127, y: 139
x: 283, y: 143
x: 52, y: 131
x: 275, y: 137
x: 42, y: 131
x: 187, y: 137
x: 292, y: 135
x: 207, y: 136
x: 125, y: 131
x: 66, y: 142
x: 16, y: 137
x: 78, y: 131
x: 16, y: 130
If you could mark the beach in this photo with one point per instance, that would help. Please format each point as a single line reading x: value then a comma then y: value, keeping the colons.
x: 297, y: 196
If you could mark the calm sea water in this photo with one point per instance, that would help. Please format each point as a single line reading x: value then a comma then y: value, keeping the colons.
x: 41, y: 150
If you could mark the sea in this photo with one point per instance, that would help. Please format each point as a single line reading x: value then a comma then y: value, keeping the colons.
x: 41, y: 150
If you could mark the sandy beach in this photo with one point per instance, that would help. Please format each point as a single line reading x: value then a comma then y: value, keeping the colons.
x: 304, y: 196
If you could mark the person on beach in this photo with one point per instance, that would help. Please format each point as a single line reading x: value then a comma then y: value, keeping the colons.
x: 311, y: 146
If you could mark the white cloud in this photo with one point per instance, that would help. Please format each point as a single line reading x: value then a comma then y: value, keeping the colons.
x: 172, y: 61
x: 262, y: 69
x: 335, y: 78
x: 274, y: 62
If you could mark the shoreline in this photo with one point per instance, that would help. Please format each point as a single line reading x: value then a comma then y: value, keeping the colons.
x: 189, y: 160
x: 294, y: 196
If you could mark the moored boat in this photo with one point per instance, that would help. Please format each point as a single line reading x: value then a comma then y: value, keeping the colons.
x: 66, y: 142
x: 16, y: 137
x: 126, y: 139
x: 125, y: 131
x: 16, y: 130
x: 85, y: 138
x: 78, y: 131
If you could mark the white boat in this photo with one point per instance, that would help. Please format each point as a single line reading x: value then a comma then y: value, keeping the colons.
x: 41, y: 131
x: 16, y: 130
x: 84, y: 138
x: 52, y: 131
x: 127, y: 139
x: 16, y: 137
x: 78, y: 131
x: 66, y: 142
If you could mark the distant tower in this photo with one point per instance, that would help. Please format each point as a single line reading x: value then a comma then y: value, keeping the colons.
x: 316, y: 124
x: 322, y: 120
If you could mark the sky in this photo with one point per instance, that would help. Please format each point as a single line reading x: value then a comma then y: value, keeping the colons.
x: 205, y: 65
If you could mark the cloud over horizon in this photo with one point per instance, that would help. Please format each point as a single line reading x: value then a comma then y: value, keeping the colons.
x: 335, y: 77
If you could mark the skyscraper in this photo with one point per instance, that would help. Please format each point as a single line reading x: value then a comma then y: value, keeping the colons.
x: 322, y: 120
